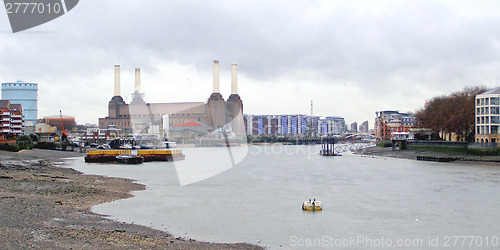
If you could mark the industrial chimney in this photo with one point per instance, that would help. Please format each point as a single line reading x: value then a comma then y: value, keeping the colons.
x: 117, y: 80
x: 138, y: 80
x: 234, y: 79
x: 216, y: 77
x: 137, y: 96
x: 216, y: 106
x: 234, y: 105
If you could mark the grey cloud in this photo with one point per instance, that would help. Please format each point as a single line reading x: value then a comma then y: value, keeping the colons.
x: 434, y: 44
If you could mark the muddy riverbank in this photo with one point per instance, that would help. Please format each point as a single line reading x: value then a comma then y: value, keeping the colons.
x: 46, y: 206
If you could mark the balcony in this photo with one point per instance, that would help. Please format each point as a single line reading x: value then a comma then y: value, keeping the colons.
x: 5, y: 125
x: 5, y: 113
x: 16, y: 126
x: 16, y: 121
x: 16, y: 116
x: 6, y: 131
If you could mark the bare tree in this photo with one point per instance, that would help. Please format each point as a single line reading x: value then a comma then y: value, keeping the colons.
x: 451, y: 114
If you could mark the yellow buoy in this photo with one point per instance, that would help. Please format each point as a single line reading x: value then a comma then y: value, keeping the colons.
x: 311, y: 205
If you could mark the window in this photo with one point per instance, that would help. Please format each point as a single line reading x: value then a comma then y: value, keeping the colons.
x: 477, y: 102
x: 478, y: 120
x: 495, y: 110
x: 495, y: 119
x: 482, y: 101
x: 487, y: 110
x: 487, y: 101
x: 494, y: 130
x: 495, y: 101
x: 478, y: 111
x: 482, y: 111
x: 487, y: 119
x: 482, y: 119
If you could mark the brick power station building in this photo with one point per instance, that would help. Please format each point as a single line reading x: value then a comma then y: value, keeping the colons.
x: 139, y: 117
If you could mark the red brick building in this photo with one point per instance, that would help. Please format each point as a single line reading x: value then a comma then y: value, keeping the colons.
x: 389, y: 122
x: 11, y: 120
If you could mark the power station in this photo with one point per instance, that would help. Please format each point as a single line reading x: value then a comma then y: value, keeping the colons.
x: 140, y: 117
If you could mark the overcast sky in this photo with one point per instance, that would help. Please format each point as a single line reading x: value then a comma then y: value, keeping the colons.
x: 352, y: 58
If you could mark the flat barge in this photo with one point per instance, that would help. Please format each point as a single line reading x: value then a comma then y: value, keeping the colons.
x: 101, y: 156
x: 436, y: 159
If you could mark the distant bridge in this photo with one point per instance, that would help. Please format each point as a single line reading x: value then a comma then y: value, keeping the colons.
x: 341, y: 148
x: 361, y: 137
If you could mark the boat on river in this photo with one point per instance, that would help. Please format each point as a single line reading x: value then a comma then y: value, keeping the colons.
x: 312, y: 205
x: 129, y: 159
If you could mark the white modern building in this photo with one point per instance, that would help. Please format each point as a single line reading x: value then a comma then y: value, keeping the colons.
x: 488, y: 116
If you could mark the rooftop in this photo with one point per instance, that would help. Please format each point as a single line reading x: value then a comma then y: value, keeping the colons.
x: 493, y: 91
x: 190, y: 124
x: 4, y: 104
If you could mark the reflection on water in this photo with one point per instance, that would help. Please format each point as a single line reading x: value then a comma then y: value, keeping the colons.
x: 259, y: 200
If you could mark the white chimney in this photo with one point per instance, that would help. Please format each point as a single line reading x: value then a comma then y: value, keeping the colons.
x: 216, y: 77
x: 234, y: 79
x: 117, y: 80
x: 137, y: 80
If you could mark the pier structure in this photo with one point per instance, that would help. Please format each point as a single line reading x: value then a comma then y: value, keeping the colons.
x: 328, y: 147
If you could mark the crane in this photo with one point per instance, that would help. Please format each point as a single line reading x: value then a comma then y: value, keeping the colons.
x: 64, y: 134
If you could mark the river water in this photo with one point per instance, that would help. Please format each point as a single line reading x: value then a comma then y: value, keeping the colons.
x: 367, y: 202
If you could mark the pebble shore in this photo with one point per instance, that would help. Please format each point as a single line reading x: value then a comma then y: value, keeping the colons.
x: 46, y: 206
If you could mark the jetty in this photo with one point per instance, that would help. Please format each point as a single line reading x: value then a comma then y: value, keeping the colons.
x: 149, y: 155
x: 328, y: 147
x: 436, y: 159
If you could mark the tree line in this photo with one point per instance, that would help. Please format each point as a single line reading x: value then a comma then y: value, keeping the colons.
x: 454, y: 113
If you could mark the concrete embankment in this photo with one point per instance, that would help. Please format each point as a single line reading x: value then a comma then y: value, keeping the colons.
x: 426, y: 153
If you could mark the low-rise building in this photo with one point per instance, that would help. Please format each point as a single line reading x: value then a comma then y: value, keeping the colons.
x: 389, y: 122
x: 11, y: 120
x: 68, y: 122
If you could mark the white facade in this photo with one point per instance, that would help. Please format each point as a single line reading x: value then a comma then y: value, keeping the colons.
x: 488, y: 116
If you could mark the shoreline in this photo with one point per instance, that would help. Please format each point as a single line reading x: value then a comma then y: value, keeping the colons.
x: 412, y: 154
x: 46, y: 206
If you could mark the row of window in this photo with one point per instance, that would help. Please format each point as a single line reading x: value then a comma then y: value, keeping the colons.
x: 488, y: 110
x: 488, y: 119
x: 19, y: 84
x: 488, y: 101
x: 487, y: 130
x: 141, y: 115
x: 176, y: 122
x: 180, y: 114
x: 119, y: 123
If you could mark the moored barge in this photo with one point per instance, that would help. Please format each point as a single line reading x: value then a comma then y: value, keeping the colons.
x: 102, y: 156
